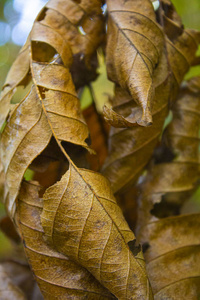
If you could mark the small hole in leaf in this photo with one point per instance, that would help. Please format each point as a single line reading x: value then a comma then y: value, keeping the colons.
x: 156, y: 4
x: 104, y: 8
x: 135, y: 249
x: 81, y: 30
x: 28, y: 175
x: 42, y: 52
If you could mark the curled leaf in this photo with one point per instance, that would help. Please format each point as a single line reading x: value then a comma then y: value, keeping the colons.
x: 172, y: 243
x: 138, y: 41
x: 57, y: 276
x: 16, y: 76
x: 131, y: 148
x: 173, y: 256
x: 75, y: 209
x: 46, y: 59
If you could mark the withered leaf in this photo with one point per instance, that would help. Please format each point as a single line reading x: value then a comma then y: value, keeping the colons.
x: 173, y: 256
x: 27, y: 123
x: 170, y: 20
x: 179, y: 177
x: 71, y: 225
x: 131, y: 148
x: 57, y: 276
x: 138, y: 41
x: 17, y: 74
x: 173, y: 249
x: 48, y: 55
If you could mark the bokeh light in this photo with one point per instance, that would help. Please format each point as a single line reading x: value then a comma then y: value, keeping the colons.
x: 5, y: 31
x: 28, y: 11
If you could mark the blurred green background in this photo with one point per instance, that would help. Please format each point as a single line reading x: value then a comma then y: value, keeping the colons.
x: 16, y: 18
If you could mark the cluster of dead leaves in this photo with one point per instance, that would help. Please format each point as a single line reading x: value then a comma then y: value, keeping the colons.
x: 76, y: 238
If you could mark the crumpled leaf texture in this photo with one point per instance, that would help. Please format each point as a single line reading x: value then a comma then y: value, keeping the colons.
x: 71, y: 225
x: 57, y: 276
x: 138, y: 41
x: 173, y: 257
x: 52, y: 104
x: 172, y: 243
x: 56, y: 116
x: 131, y: 148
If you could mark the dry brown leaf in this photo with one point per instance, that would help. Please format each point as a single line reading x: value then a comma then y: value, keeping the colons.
x: 173, y: 255
x: 52, y: 106
x: 170, y: 20
x: 57, y: 276
x: 21, y: 142
x: 181, y: 55
x: 131, y: 63
x: 16, y: 76
x: 71, y: 225
x: 130, y: 149
x: 60, y: 21
x: 179, y: 176
x: 82, y: 25
x: 172, y: 243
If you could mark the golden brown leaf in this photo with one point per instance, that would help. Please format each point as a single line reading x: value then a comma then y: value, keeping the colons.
x: 179, y: 176
x: 75, y: 210
x: 131, y: 63
x: 169, y: 19
x: 181, y: 55
x: 173, y: 256
x: 21, y: 142
x: 52, y: 106
x: 172, y: 243
x: 15, y: 77
x: 57, y: 276
x: 130, y: 149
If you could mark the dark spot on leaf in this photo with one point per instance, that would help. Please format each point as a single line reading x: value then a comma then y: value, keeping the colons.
x: 42, y: 52
x: 135, y: 249
x: 99, y: 224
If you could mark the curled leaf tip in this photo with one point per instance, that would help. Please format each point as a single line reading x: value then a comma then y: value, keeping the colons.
x: 118, y: 121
